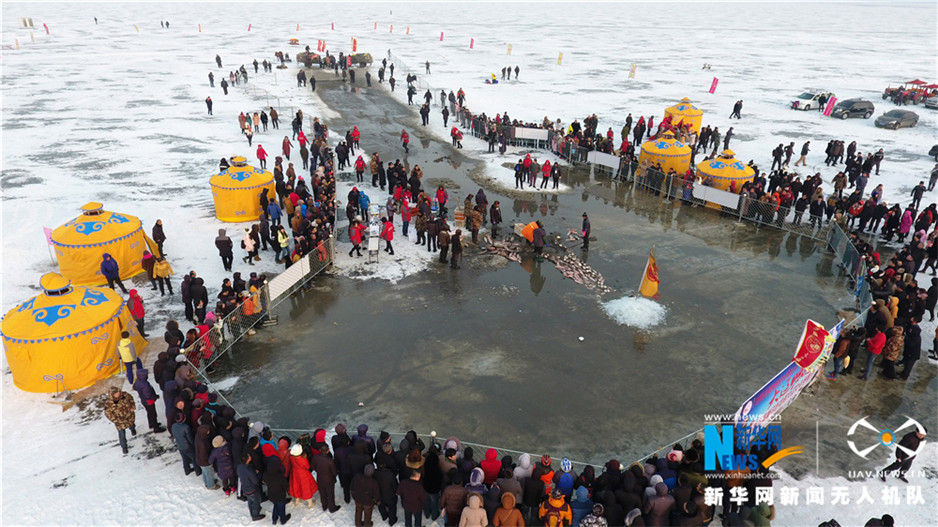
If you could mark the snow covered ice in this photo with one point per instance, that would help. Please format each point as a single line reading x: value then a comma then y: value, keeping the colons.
x: 102, y: 112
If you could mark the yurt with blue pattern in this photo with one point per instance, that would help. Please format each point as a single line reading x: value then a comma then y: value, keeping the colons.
x: 237, y: 190
x: 65, y: 338
x: 81, y: 244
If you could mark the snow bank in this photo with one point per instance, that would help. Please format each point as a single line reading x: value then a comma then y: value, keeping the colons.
x: 636, y: 312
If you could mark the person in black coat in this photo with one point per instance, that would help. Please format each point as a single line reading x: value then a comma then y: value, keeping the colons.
x: 158, y: 236
x: 532, y: 490
x: 148, y: 399
x: 199, y: 295
x: 366, y: 493
x: 342, y: 447
x: 912, y: 351
x: 359, y: 457
x: 432, y: 482
x: 326, y: 474
x: 910, y: 443
x: 250, y: 486
x: 225, y: 248
x: 387, y: 485
x: 277, y: 484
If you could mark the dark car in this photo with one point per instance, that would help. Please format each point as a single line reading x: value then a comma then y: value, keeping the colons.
x: 895, y: 119
x: 853, y: 108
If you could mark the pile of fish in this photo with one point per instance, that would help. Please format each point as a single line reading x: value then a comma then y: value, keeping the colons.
x: 581, y: 273
x: 570, y: 266
x: 509, y: 250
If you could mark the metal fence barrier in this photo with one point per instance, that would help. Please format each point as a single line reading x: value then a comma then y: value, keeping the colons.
x: 257, y: 308
x: 479, y: 449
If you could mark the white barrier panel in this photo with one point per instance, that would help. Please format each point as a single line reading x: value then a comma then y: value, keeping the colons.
x: 600, y: 158
x: 285, y: 280
x: 715, y: 195
x: 537, y: 134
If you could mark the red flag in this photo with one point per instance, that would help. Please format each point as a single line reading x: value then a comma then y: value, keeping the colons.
x: 249, y: 27
x: 441, y: 36
x: 472, y: 43
x: 811, y: 344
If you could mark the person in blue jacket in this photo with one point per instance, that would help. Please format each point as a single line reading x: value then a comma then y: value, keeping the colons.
x: 273, y: 212
x: 111, y: 272
x: 363, y: 203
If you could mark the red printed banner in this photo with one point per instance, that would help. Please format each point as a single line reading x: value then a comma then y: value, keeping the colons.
x: 830, y: 106
x: 811, y: 345
x: 472, y: 43
x: 713, y: 85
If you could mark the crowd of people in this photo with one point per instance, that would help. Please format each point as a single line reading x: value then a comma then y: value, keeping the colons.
x: 891, y: 333
x: 412, y: 479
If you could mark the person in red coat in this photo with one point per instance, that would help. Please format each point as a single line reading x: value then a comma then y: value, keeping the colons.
x: 262, y: 155
x: 355, y: 233
x: 135, y: 303
x: 405, y: 214
x: 360, y: 169
x: 387, y: 234
x: 356, y: 136
x: 490, y: 466
x: 405, y: 140
x: 286, y: 145
x: 545, y: 174
x: 302, y: 484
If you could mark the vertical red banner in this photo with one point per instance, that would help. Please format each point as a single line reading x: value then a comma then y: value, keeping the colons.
x: 249, y: 27
x: 472, y: 43
x: 354, y: 45
x: 713, y: 85
x: 441, y: 36
x: 830, y: 106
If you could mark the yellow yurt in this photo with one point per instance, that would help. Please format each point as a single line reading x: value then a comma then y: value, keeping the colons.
x: 81, y: 243
x: 237, y: 191
x: 724, y: 170
x: 668, y: 151
x: 66, y: 337
x: 687, y: 112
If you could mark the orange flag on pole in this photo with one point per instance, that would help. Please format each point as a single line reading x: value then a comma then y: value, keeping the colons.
x: 649, y: 287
